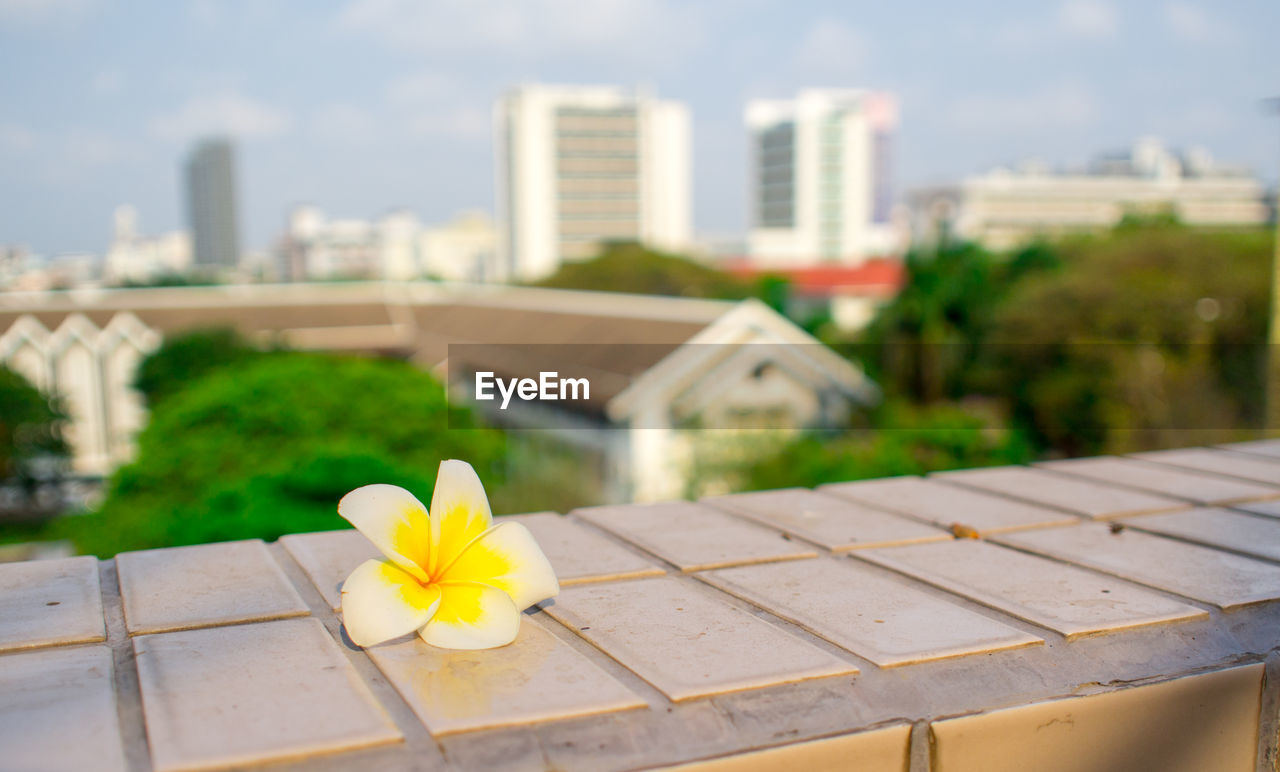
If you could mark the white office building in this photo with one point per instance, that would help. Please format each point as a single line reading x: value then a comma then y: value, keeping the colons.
x: 822, y: 189
x: 1007, y: 207
x: 396, y: 246
x: 135, y: 257
x: 579, y: 166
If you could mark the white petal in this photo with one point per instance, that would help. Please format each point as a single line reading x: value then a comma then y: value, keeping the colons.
x: 381, y: 602
x: 459, y: 512
x: 472, y: 616
x: 507, y: 557
x: 395, y: 521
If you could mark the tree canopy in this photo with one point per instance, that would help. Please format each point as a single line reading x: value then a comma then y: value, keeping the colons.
x: 268, y: 446
x: 905, y: 440
x: 31, y: 442
x: 1143, y: 335
x: 630, y: 267
x: 182, y: 359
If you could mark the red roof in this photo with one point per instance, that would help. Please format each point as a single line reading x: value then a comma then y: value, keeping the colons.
x: 878, y: 276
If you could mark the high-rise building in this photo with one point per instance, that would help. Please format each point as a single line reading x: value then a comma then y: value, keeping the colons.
x: 211, y: 204
x: 579, y: 166
x: 822, y: 187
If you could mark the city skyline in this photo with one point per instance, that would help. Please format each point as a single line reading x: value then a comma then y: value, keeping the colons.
x: 403, y: 117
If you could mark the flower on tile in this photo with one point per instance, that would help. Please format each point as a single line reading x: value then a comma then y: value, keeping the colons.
x: 450, y: 574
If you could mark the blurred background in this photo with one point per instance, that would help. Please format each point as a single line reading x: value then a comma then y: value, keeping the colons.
x: 252, y: 252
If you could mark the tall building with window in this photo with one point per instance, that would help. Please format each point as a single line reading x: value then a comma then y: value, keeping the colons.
x: 211, y: 204
x: 822, y: 188
x: 582, y: 165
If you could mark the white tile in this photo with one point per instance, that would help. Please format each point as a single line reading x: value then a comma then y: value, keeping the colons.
x: 1177, y: 482
x: 879, y: 617
x: 948, y: 505
x: 536, y: 678
x: 48, y: 602
x: 1269, y: 508
x: 694, y: 537
x: 1266, y: 448
x: 251, y: 694
x: 1087, y: 498
x: 1222, y: 462
x: 1200, y: 573
x: 834, y: 523
x: 204, y: 585
x: 58, y: 711
x: 1066, y: 599
x: 1250, y: 534
x: 685, y: 641
x: 329, y: 557
x: 579, y: 554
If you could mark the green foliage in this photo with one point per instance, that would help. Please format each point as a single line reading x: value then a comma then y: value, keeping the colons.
x: 172, y: 280
x: 921, y: 345
x: 909, y: 440
x: 268, y: 446
x: 1151, y: 330
x: 31, y: 443
x: 183, y: 359
x: 630, y: 267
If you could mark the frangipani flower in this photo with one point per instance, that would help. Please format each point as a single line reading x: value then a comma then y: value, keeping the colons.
x: 452, y: 575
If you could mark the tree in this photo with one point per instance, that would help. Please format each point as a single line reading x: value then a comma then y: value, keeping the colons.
x: 924, y: 343
x: 906, y: 440
x: 32, y: 449
x: 267, y: 446
x: 626, y: 266
x: 1144, y: 334
x: 184, y: 358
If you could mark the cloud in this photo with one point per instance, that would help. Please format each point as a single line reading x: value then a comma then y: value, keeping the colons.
x: 1068, y: 104
x: 227, y: 113
x: 833, y: 50
x: 1088, y: 19
x: 542, y: 29
x: 1192, y: 24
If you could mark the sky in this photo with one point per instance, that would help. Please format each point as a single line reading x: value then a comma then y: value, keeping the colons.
x: 365, y: 106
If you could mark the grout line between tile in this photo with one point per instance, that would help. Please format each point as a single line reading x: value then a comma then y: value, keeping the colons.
x: 418, y: 742
x: 128, y: 694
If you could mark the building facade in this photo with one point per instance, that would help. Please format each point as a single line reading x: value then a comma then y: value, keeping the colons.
x: 135, y: 257
x: 396, y: 246
x: 822, y: 187
x: 1005, y: 208
x: 579, y: 166
x: 211, y: 204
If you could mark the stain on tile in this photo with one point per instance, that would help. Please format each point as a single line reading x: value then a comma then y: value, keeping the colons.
x: 50, y: 602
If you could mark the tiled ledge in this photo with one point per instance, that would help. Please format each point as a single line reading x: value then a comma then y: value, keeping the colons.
x: 1115, y: 613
